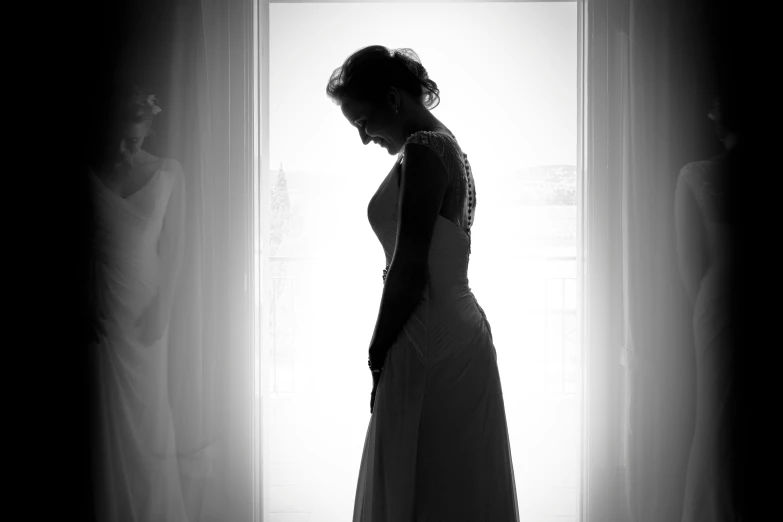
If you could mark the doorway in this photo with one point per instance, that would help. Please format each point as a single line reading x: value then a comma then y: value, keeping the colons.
x: 509, y: 91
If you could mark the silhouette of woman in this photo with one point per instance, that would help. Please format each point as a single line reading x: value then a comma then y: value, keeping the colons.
x: 437, y: 445
x: 706, y: 234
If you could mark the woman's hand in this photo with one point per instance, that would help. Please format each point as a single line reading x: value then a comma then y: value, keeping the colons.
x: 376, y: 377
x: 376, y: 360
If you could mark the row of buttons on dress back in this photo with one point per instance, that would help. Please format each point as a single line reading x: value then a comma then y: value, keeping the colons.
x: 470, y: 192
x: 470, y: 204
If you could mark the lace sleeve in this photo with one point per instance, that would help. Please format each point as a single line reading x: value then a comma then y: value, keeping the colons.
x: 434, y: 142
x: 460, y: 201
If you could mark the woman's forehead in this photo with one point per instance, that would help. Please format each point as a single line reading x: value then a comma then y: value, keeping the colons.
x: 352, y: 109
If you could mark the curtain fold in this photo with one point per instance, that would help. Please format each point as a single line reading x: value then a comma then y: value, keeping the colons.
x: 657, y: 331
x: 211, y: 353
x: 193, y: 369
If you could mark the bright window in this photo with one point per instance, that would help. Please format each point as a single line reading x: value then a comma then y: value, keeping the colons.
x: 508, y: 78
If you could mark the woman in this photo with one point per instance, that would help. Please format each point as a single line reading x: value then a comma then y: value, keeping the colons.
x: 437, y: 445
x: 139, y: 210
x: 706, y: 230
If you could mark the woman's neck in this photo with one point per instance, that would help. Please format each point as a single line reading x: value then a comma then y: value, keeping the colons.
x: 421, y: 119
x: 140, y: 163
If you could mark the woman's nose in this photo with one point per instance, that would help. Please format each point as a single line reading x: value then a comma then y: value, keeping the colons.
x: 365, y: 138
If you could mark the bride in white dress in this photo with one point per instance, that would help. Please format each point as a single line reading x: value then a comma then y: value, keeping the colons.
x: 437, y: 445
x: 139, y: 212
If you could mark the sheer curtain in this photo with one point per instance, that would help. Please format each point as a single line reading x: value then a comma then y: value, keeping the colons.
x: 651, y: 74
x: 660, y: 101
x: 196, y: 57
x: 665, y: 63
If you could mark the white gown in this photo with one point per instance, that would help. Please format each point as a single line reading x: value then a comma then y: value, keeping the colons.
x: 136, y: 478
x: 437, y: 446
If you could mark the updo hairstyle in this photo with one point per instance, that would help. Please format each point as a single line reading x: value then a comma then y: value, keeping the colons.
x: 368, y: 74
x: 123, y: 104
x: 131, y: 105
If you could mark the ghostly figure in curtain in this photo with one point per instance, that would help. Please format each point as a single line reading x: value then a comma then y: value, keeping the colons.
x: 706, y: 230
x: 139, y: 211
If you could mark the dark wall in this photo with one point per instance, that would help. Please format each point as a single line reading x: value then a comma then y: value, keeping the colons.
x: 739, y: 50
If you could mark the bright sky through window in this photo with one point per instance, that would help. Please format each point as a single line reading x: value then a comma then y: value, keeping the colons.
x: 500, y: 73
x: 508, y: 78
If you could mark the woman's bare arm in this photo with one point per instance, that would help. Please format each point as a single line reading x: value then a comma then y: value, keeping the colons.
x: 424, y: 183
x: 691, y: 240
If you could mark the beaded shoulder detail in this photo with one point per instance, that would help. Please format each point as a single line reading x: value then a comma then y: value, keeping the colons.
x: 431, y: 139
x: 462, y: 185
x: 461, y: 196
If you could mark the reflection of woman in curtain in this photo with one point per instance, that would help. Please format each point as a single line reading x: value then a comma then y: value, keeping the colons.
x: 139, y: 210
x: 705, y: 230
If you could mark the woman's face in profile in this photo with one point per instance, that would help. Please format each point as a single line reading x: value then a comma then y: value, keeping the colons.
x: 132, y: 139
x: 373, y: 123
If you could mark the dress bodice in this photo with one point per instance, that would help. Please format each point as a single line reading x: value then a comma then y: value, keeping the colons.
x: 450, y: 247
x: 126, y: 244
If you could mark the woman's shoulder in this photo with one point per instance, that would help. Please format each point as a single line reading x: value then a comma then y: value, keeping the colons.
x: 440, y: 142
x: 169, y: 165
x: 703, y: 170
x: 154, y: 163
x: 690, y: 168
x: 172, y: 169
x: 425, y: 136
x: 173, y: 164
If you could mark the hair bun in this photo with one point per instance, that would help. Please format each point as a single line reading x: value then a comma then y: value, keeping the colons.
x: 369, y: 72
x: 133, y: 104
x: 412, y: 63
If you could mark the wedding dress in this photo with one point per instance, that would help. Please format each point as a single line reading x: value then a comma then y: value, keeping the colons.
x: 437, y: 445
x: 136, y: 477
x: 708, y: 490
